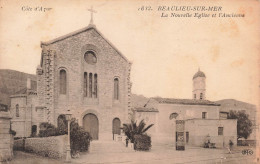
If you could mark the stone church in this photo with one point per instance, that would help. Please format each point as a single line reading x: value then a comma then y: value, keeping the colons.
x: 80, y: 73
x: 202, y: 119
x: 84, y: 74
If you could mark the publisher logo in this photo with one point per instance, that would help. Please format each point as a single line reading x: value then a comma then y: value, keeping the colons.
x: 247, y: 152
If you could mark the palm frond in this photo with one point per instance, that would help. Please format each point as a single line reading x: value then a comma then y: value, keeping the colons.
x: 148, y: 127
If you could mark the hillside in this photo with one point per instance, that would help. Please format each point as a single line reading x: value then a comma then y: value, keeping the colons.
x: 138, y: 100
x: 229, y: 104
x: 12, y: 81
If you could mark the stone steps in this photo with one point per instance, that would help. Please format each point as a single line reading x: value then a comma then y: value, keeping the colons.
x: 108, y: 147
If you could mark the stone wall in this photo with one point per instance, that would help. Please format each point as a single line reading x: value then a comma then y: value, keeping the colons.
x: 6, y: 139
x: 53, y: 147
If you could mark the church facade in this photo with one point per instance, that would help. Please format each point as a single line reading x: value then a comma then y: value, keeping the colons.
x: 81, y: 73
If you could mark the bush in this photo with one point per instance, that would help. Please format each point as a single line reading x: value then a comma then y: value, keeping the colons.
x: 133, y: 129
x: 142, y: 142
x: 12, y: 132
x: 79, y: 138
x: 47, y: 130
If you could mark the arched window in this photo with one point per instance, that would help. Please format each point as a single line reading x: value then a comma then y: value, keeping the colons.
x: 17, y: 110
x: 95, y: 86
x: 116, y: 89
x: 201, y: 96
x: 90, y: 57
x: 173, y: 115
x: 85, y: 84
x: 63, y: 81
x: 90, y: 84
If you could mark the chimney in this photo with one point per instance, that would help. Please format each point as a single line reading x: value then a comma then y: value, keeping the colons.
x: 28, y: 83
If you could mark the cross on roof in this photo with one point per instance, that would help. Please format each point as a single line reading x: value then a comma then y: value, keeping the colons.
x: 92, y: 11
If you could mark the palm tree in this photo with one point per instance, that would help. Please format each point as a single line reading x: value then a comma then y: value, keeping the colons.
x: 133, y: 129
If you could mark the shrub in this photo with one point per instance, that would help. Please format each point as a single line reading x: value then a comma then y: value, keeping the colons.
x: 47, y: 130
x: 79, y: 138
x: 142, y: 142
x: 133, y: 129
x: 12, y: 132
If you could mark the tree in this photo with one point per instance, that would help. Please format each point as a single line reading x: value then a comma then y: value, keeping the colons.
x: 244, y: 125
x: 133, y: 129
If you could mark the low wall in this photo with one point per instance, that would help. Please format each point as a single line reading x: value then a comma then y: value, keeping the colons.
x: 19, y: 144
x: 246, y: 142
x: 53, y: 147
x: 6, y: 139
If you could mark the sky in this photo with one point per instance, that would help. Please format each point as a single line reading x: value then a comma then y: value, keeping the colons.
x: 165, y: 52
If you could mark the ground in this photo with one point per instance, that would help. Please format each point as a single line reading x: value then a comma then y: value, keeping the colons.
x: 116, y: 152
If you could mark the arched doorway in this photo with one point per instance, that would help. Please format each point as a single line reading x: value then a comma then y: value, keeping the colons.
x: 90, y: 124
x: 62, y: 124
x: 34, y: 130
x: 116, y: 127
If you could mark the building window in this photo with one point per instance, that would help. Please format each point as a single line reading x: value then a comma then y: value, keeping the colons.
x: 95, y: 86
x: 85, y: 84
x: 90, y: 84
x: 116, y: 89
x: 90, y: 57
x: 63, y: 81
x: 17, y: 110
x: 173, y: 115
x: 187, y: 137
x: 201, y: 96
x: 220, y: 131
x: 194, y: 96
x: 204, y: 115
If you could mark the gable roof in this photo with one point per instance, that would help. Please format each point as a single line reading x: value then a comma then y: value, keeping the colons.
x: 185, y: 101
x: 89, y: 27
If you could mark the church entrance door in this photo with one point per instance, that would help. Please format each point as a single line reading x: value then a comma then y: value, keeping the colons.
x: 116, y: 126
x: 90, y: 124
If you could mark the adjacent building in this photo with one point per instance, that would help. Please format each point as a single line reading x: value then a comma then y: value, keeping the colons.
x: 202, y: 118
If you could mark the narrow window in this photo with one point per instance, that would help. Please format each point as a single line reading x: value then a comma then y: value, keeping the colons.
x: 204, y: 115
x: 63, y: 81
x: 95, y: 86
x: 90, y: 84
x: 220, y: 131
x: 201, y: 96
x: 194, y: 96
x: 116, y: 89
x: 85, y: 84
x: 17, y: 110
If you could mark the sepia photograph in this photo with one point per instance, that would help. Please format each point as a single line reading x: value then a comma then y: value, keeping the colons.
x: 134, y: 82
